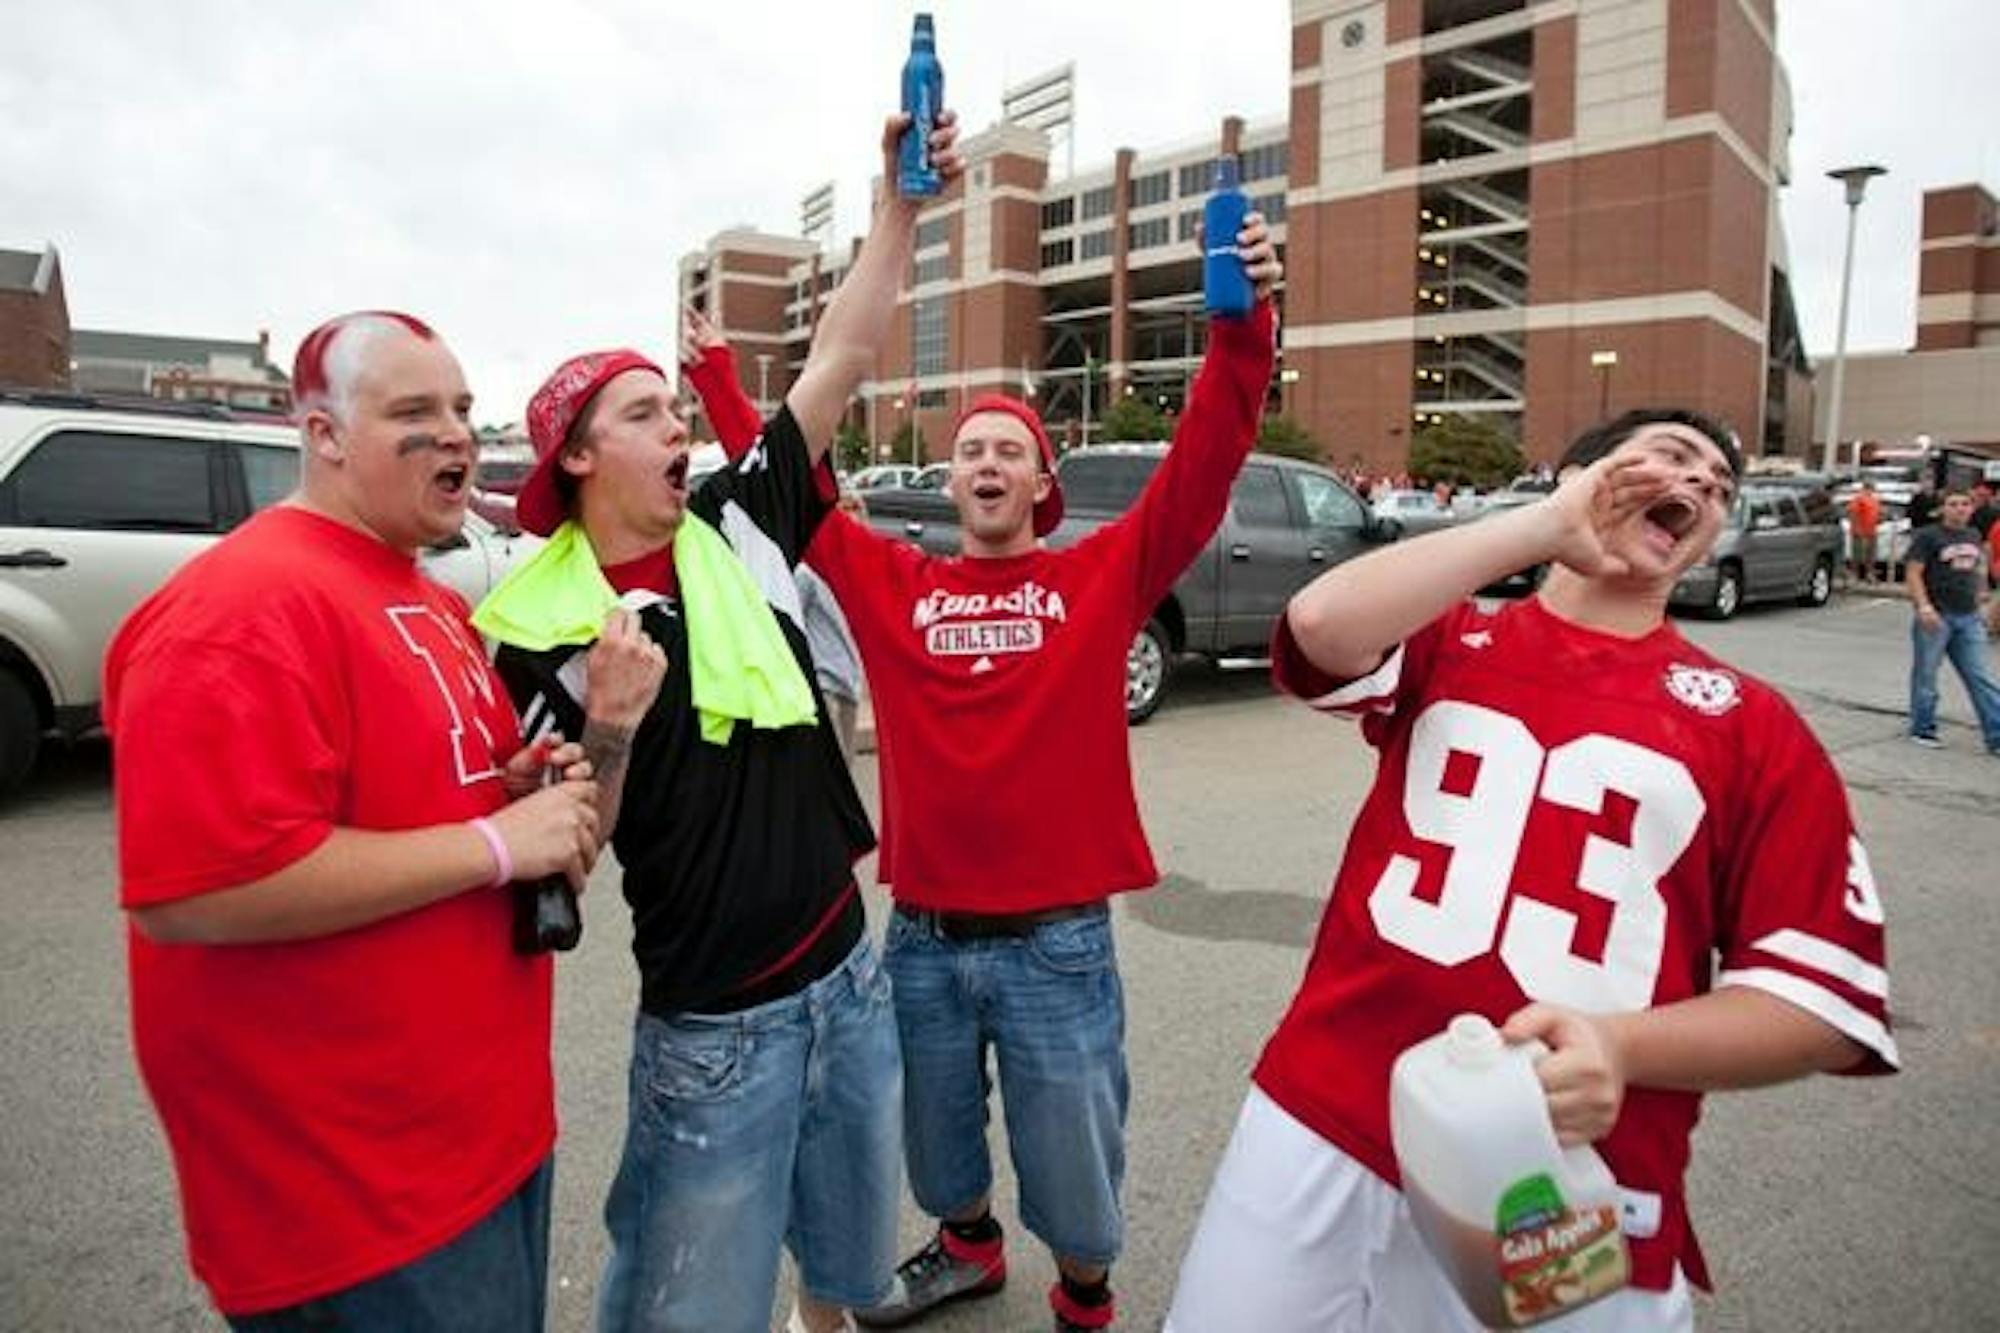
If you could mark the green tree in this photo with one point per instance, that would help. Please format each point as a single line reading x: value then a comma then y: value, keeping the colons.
x: 1133, y: 419
x: 907, y: 445
x: 850, y: 448
x: 1466, y: 451
x: 1287, y: 438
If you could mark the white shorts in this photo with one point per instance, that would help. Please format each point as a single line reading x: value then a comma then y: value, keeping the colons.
x: 1298, y: 1237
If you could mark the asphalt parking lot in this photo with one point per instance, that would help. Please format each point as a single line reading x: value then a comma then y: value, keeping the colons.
x: 1837, y: 1204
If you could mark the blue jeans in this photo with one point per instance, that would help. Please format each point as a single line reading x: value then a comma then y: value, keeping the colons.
x: 1051, y: 1008
x: 1962, y: 638
x: 774, y: 1127
x: 492, y: 1279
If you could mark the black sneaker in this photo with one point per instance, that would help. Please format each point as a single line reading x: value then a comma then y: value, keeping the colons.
x: 1926, y: 739
x: 944, y: 1271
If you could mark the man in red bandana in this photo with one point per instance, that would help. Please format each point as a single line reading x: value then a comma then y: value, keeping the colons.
x: 764, y: 1098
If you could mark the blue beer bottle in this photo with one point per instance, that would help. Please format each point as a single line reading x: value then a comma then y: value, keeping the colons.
x: 923, y: 99
x: 1225, y: 283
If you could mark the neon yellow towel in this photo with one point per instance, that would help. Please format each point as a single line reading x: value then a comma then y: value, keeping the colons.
x: 739, y: 664
x: 556, y: 596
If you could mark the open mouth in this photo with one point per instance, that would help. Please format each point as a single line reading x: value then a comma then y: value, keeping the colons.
x: 453, y: 479
x: 677, y: 474
x: 988, y: 491
x: 1672, y: 519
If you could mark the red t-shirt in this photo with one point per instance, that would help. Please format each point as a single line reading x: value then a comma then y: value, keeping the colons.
x: 1565, y: 816
x: 999, y: 684
x: 337, y: 1106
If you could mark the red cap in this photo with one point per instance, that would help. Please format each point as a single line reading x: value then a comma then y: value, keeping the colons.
x: 551, y: 412
x: 1048, y: 509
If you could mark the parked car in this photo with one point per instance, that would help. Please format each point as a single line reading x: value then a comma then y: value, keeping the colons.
x: 881, y: 475
x: 1771, y: 548
x: 101, y: 500
x: 1286, y: 522
x: 1416, y: 511
x: 1499, y: 502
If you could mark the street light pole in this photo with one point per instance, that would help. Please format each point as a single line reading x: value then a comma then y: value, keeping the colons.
x: 1604, y: 363
x: 1855, y: 179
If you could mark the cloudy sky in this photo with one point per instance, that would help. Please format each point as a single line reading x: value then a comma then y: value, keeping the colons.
x: 526, y: 175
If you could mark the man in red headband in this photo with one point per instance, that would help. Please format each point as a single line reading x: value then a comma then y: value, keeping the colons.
x: 765, y: 1095
x: 321, y: 794
x: 1008, y: 814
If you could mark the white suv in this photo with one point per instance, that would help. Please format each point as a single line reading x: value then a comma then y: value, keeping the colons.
x: 99, y: 503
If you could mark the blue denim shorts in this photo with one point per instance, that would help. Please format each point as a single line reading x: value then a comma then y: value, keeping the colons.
x: 1050, y: 1006
x: 491, y: 1279
x: 776, y: 1127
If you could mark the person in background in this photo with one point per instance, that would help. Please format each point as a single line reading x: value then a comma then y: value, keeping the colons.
x: 1864, y: 521
x: 1946, y: 575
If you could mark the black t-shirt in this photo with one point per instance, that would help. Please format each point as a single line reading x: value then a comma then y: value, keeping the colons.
x: 733, y: 854
x: 1954, y: 561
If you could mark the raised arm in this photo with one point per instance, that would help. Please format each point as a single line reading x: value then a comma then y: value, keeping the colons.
x: 710, y: 367
x: 856, y: 322
x: 1185, y: 500
x: 1345, y: 620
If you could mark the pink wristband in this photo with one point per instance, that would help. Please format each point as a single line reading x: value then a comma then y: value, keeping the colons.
x: 503, y: 864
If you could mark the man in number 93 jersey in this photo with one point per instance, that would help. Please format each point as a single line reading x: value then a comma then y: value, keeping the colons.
x: 1584, y: 827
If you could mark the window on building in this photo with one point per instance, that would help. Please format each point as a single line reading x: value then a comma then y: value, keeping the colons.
x: 1097, y: 203
x: 1271, y: 205
x: 1258, y: 498
x: 1057, y: 253
x: 1144, y: 235
x: 113, y: 483
x: 1096, y: 244
x: 1188, y: 225
x: 933, y: 397
x: 935, y: 232
x: 1197, y: 178
x: 1265, y: 162
x: 1156, y: 188
x: 1058, y: 212
x: 931, y: 327
x: 933, y: 269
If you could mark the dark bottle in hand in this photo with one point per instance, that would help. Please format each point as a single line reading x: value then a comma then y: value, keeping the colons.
x: 545, y: 916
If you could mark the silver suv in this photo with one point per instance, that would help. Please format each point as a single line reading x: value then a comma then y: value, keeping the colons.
x: 99, y: 502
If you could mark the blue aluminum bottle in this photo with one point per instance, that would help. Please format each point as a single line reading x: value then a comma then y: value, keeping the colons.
x: 923, y: 99
x: 1225, y: 283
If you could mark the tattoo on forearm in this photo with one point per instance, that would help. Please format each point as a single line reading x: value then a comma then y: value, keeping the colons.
x: 606, y: 747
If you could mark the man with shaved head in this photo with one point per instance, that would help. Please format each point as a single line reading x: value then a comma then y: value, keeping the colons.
x: 321, y: 797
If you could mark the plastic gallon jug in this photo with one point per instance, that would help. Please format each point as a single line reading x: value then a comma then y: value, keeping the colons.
x: 1525, y: 1229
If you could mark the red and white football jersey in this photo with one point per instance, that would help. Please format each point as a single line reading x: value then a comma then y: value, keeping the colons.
x: 1601, y: 823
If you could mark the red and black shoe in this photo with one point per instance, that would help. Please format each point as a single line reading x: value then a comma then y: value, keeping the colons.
x: 948, y: 1269
x: 1073, y: 1316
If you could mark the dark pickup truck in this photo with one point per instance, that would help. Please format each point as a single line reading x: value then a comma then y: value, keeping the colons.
x: 1285, y: 523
